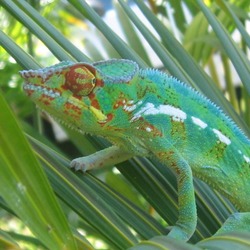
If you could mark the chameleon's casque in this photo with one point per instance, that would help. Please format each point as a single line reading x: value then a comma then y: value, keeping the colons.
x: 144, y: 112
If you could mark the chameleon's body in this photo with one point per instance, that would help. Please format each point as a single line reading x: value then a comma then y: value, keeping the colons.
x: 144, y: 112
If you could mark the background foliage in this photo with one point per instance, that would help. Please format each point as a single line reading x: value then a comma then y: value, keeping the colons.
x: 203, y: 43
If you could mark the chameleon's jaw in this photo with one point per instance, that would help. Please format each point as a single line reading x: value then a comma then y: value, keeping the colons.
x: 36, y: 87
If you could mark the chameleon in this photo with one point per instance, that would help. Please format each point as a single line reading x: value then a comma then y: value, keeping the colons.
x: 146, y: 112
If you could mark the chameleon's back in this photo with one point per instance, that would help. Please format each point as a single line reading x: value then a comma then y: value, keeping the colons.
x: 189, y: 125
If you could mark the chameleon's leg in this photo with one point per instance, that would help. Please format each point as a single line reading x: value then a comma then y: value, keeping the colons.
x: 187, y: 221
x: 106, y: 157
x: 237, y: 222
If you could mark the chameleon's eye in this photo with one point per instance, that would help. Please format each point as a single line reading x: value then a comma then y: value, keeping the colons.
x: 80, y: 80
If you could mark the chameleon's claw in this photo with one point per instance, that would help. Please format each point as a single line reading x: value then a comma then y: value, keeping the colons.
x: 77, y: 165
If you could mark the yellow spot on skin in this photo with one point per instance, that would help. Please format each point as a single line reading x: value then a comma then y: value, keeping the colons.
x: 99, y: 115
x: 82, y: 71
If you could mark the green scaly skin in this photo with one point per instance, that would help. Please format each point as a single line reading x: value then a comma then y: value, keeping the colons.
x: 144, y: 112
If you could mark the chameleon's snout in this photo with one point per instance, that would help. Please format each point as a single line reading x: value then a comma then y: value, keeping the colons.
x: 25, y: 74
x: 34, y: 83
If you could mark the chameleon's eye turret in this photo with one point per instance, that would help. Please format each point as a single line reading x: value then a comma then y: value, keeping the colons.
x: 80, y: 80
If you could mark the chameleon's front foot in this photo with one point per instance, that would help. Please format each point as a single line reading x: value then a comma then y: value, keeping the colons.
x: 106, y: 157
x: 81, y: 163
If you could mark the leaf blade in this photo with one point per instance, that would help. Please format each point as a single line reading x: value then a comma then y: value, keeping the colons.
x: 26, y: 189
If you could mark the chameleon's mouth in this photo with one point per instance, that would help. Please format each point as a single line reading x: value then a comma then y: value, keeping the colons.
x: 30, y: 88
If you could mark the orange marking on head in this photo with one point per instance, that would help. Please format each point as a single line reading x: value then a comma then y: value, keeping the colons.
x: 94, y: 101
x: 72, y: 107
x: 45, y: 99
x: 99, y: 82
x: 95, y: 104
x: 109, y: 118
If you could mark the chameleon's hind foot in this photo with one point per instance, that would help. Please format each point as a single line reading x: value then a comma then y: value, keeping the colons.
x: 237, y: 222
x: 179, y: 233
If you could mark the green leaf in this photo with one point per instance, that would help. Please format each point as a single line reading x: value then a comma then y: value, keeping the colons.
x: 25, y: 187
x: 35, y: 28
x: 166, y: 58
x: 13, y: 49
x: 163, y: 243
x: 238, y: 58
x: 229, y: 11
x: 61, y: 43
x: 131, y: 35
x: 116, y: 41
x: 7, y: 242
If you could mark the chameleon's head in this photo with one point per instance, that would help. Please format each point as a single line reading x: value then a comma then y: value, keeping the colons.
x: 81, y: 95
